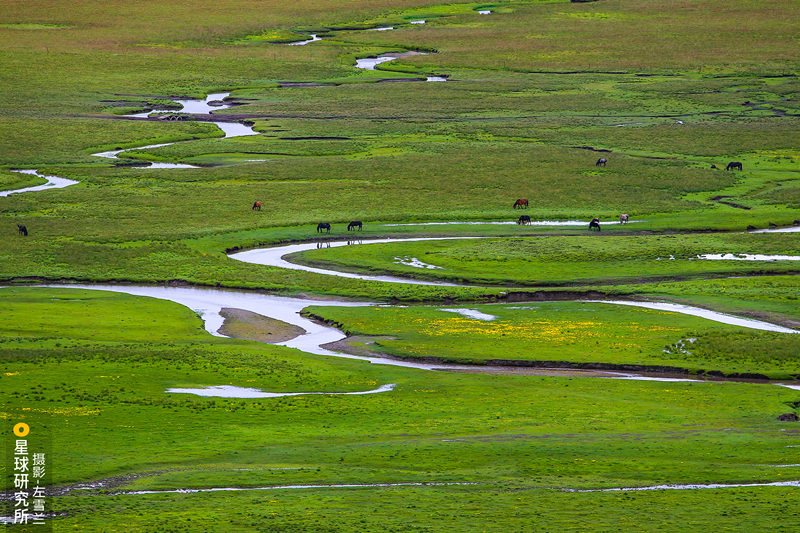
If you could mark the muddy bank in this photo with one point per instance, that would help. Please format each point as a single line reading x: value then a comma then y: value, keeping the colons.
x: 359, y: 345
x: 720, y: 199
x: 243, y: 324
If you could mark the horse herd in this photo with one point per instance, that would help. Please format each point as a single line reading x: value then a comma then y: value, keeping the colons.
x: 324, y: 226
x: 521, y: 203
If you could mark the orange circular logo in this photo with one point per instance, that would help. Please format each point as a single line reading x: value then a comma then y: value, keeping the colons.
x: 21, y: 429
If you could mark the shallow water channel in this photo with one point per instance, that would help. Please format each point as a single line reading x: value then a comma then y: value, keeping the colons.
x: 275, y: 256
x: 194, y: 107
x: 53, y: 182
x: 208, y: 303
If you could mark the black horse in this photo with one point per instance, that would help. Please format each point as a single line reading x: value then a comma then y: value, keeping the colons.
x: 22, y: 230
x: 323, y: 226
x: 734, y: 165
x: 594, y: 224
x: 354, y: 224
x: 601, y: 162
x: 524, y: 219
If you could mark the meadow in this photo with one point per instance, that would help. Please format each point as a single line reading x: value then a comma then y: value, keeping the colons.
x: 521, y: 440
x: 536, y: 92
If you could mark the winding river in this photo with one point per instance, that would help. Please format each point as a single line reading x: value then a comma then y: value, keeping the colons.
x: 53, y: 182
x: 208, y: 303
x: 211, y: 103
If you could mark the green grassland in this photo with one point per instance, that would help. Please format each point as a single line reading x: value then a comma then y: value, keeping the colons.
x: 100, y: 394
x: 537, y: 91
x: 559, y: 260
x: 573, y: 332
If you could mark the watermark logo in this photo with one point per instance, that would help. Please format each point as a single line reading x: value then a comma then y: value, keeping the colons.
x: 29, y: 468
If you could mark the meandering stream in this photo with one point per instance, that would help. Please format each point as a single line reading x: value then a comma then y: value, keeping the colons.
x: 53, y: 182
x: 201, y: 107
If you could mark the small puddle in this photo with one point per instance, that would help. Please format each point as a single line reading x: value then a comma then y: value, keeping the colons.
x: 229, y: 391
x: 53, y: 182
x: 384, y: 28
x: 748, y: 257
x: 369, y: 63
x: 416, y: 22
x: 194, y: 107
x: 471, y: 313
x: 416, y: 263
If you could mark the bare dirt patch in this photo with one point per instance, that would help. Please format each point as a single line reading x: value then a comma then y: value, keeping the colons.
x: 242, y: 324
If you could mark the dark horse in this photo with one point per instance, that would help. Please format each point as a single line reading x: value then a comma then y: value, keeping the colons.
x: 524, y: 219
x: 734, y: 165
x: 601, y: 162
x: 595, y: 223
x: 354, y: 224
x: 323, y: 226
x: 522, y: 203
x: 257, y: 206
x: 22, y: 230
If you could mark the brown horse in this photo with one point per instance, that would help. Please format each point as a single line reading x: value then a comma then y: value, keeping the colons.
x: 257, y: 206
x: 521, y: 203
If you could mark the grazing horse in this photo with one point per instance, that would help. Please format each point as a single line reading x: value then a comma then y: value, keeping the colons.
x: 595, y: 223
x: 323, y: 226
x: 521, y: 203
x: 734, y: 165
x: 524, y: 219
x: 354, y: 224
x: 22, y: 230
x: 623, y: 219
x: 257, y: 206
x: 601, y: 162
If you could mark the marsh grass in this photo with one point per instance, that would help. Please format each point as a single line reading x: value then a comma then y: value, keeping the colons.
x: 571, y: 332
x: 533, y: 88
x: 557, y: 260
